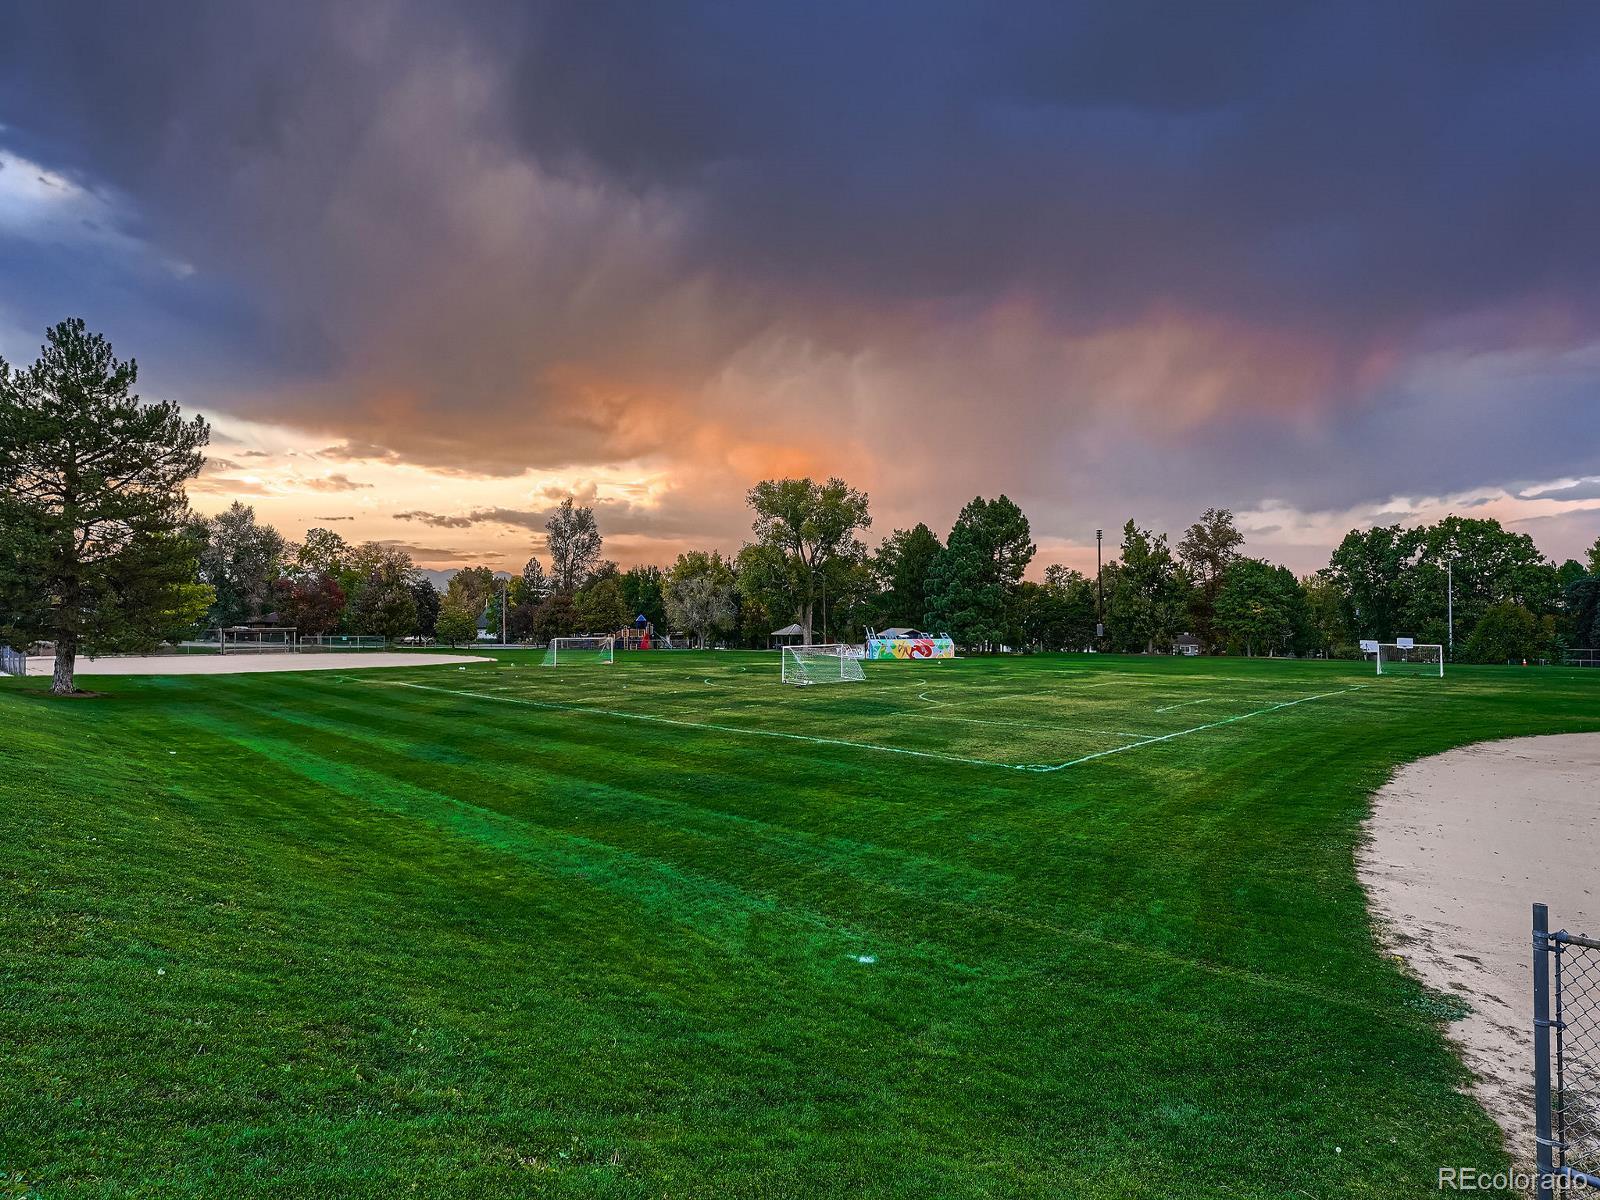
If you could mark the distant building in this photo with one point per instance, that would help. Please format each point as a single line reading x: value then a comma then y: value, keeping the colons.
x: 1187, y: 645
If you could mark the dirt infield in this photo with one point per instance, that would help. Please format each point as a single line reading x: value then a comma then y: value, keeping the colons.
x: 1459, y: 847
x: 250, y: 664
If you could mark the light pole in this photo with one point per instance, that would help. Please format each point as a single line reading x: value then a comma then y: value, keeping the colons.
x: 503, y: 588
x: 1100, y: 589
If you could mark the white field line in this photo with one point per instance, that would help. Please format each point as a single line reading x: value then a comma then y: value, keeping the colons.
x: 1047, y: 726
x: 1186, y: 703
x: 1167, y: 737
x: 1034, y: 768
x: 657, y: 720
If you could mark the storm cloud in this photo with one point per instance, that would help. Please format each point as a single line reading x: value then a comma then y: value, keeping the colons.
x: 1128, y: 259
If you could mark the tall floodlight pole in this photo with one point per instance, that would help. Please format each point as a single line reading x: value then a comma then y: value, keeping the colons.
x: 1099, y: 587
x: 503, y: 588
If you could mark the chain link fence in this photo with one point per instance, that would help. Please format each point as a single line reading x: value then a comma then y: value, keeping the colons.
x: 1566, y: 1077
x: 13, y: 662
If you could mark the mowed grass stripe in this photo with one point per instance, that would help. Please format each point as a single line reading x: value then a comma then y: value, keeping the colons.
x: 368, y: 993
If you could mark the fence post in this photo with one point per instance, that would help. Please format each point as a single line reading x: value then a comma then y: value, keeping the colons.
x: 1544, y: 1148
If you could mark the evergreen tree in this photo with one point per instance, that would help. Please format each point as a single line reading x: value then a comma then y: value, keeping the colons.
x: 973, y: 584
x: 900, y: 568
x: 93, y: 551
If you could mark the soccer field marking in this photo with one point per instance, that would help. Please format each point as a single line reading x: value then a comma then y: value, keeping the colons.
x: 933, y: 755
x: 1167, y: 737
x: 1186, y: 703
x: 1047, y: 726
x: 651, y: 718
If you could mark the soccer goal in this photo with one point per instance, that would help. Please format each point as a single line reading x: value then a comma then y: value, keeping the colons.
x: 1582, y: 657
x: 245, y: 639
x: 1410, y: 658
x: 562, y: 651
x: 821, y: 664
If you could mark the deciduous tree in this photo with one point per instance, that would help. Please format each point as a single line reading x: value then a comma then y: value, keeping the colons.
x: 1206, y: 550
x: 241, y: 559
x: 700, y: 594
x: 574, y: 541
x: 811, y: 526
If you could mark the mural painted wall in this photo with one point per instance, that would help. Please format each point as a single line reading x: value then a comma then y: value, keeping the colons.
x: 939, y: 647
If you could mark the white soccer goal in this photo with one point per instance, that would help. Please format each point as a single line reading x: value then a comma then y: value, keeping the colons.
x: 244, y: 639
x: 832, y: 663
x: 1408, y: 658
x: 566, y: 650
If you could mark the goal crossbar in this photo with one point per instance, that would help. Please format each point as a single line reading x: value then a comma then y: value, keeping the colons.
x: 1416, y: 659
x: 830, y: 663
x: 568, y: 650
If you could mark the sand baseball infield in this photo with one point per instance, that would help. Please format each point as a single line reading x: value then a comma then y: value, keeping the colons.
x: 1459, y: 847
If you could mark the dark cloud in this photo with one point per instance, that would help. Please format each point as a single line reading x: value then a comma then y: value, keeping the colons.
x: 1108, y: 258
x: 1583, y: 489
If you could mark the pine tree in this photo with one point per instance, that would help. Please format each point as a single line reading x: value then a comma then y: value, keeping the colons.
x: 93, y: 551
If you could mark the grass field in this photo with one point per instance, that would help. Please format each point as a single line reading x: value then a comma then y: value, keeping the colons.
x: 1053, y: 926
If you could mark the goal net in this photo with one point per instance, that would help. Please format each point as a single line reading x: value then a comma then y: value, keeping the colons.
x: 1582, y: 657
x: 562, y: 651
x: 821, y: 664
x: 247, y: 640
x: 1403, y: 659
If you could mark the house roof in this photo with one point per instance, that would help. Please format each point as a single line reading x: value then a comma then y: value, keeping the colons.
x: 1185, y: 639
x: 790, y: 631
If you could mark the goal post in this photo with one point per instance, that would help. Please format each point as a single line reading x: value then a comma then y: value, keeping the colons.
x: 564, y: 651
x: 832, y: 663
x: 1410, y: 658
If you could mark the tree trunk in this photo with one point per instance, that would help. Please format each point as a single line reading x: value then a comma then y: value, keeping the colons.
x: 805, y: 619
x: 63, y: 683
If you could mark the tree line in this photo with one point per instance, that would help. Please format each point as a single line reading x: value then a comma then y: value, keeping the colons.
x: 99, y: 552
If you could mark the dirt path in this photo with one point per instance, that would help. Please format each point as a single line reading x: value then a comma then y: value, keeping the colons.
x: 247, y: 664
x: 1459, y: 847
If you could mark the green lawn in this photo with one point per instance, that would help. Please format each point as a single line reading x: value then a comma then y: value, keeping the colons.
x: 1055, y: 926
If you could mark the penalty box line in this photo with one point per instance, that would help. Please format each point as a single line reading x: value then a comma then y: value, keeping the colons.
x: 1167, y: 737
x: 652, y: 719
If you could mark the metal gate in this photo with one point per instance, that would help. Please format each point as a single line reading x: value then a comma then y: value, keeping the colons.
x: 1566, y: 1057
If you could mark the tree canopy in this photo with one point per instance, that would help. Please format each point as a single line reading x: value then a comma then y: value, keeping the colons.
x: 574, y: 541
x: 972, y: 585
x: 94, y: 553
x: 812, y: 527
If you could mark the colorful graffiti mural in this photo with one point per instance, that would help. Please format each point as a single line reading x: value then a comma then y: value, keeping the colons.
x: 937, y: 647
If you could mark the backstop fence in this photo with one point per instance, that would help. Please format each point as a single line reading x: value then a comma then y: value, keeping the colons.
x: 13, y: 662
x: 1566, y: 1057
